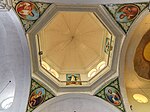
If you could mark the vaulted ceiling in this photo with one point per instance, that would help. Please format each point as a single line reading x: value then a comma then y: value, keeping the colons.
x: 72, y: 40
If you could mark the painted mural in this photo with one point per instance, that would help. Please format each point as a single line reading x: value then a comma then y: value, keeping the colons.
x: 125, y: 14
x: 38, y: 95
x: 73, y: 79
x: 111, y: 93
x: 108, y: 46
x: 29, y: 12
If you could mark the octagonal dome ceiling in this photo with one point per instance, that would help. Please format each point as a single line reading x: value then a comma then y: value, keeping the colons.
x: 73, y: 45
x: 73, y: 42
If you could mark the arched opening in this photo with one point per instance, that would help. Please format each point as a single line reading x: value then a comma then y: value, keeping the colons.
x: 132, y: 60
x: 14, y: 64
x: 76, y: 103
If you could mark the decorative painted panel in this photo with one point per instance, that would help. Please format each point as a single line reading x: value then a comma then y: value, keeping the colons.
x: 29, y: 12
x: 125, y: 14
x: 38, y: 95
x: 109, y: 43
x: 73, y: 79
x: 108, y: 46
x: 111, y: 93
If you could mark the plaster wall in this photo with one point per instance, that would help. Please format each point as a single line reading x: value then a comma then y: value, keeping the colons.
x: 76, y: 103
x: 14, y: 62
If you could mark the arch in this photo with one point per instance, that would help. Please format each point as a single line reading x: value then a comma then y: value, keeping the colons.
x: 127, y: 53
x: 15, y: 59
x: 76, y: 103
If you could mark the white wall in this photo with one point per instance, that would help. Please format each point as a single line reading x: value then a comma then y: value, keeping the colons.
x: 76, y: 102
x: 14, y: 61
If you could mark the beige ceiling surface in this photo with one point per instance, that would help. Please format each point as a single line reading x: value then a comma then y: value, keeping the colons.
x: 147, y: 52
x: 141, y: 59
x: 131, y: 77
x: 137, y: 67
x: 73, y: 41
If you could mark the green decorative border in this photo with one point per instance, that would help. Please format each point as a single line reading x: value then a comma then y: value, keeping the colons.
x: 34, y: 86
x: 114, y: 84
x: 27, y: 24
x: 112, y: 9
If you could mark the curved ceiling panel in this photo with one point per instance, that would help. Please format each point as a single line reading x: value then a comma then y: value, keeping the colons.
x: 76, y: 103
x: 73, y: 41
x: 142, y: 57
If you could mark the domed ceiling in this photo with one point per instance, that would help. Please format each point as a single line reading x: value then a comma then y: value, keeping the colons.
x: 73, y: 45
x: 72, y: 42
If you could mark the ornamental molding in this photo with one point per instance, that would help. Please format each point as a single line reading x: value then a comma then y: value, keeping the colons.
x: 4, y: 5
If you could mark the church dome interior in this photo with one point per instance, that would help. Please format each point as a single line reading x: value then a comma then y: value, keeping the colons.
x: 74, y: 56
